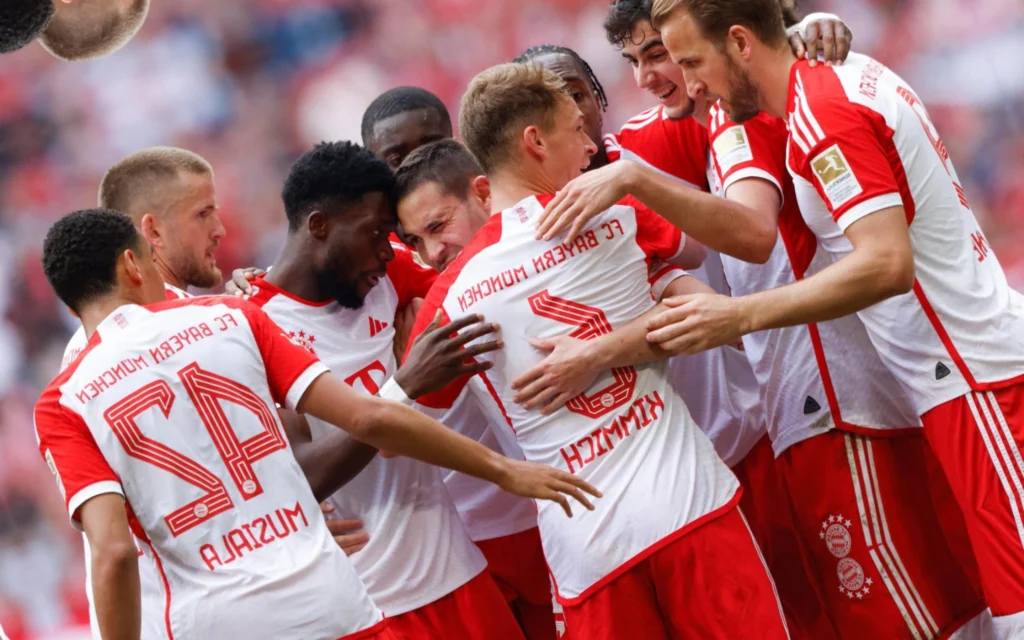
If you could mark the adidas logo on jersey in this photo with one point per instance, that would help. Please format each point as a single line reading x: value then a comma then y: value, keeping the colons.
x: 376, y: 326
x: 941, y: 371
x: 811, y: 405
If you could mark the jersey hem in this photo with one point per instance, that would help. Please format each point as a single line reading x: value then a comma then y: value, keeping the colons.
x: 368, y: 632
x: 302, y: 384
x: 87, y: 493
x: 866, y: 208
x: 493, y: 533
x: 689, y: 527
x: 413, y: 604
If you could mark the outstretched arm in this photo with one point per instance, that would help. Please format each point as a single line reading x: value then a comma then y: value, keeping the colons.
x: 331, y: 462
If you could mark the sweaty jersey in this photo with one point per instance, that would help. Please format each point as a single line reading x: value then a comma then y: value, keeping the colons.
x: 861, y: 141
x: 718, y: 385
x: 812, y: 377
x: 629, y: 434
x: 78, y: 340
x: 418, y: 550
x: 172, y: 407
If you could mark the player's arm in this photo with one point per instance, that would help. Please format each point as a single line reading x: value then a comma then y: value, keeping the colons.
x: 404, y: 431
x: 572, y: 365
x: 331, y: 462
x: 115, y: 567
x: 723, y: 225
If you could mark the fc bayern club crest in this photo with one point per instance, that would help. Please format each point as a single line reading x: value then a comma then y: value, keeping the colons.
x: 303, y: 339
x: 835, y: 533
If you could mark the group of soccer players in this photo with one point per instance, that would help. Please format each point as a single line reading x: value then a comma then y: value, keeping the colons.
x: 757, y: 334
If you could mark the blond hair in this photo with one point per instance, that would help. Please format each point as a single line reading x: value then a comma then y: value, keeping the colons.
x: 714, y: 18
x: 137, y: 184
x: 92, y: 30
x: 500, y: 102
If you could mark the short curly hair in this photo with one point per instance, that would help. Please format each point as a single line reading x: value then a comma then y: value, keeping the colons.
x: 401, y: 100
x: 21, y: 22
x: 333, y: 171
x: 82, y: 33
x: 81, y: 250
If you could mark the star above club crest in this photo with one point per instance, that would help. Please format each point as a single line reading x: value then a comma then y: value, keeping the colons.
x: 831, y: 519
x: 848, y: 524
x: 302, y: 334
x: 869, y: 581
x: 312, y: 338
x: 867, y: 590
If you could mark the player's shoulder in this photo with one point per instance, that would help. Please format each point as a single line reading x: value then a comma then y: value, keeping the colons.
x: 198, y: 301
x: 487, y: 236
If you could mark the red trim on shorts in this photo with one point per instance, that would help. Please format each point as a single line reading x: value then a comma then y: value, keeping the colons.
x: 167, y: 589
x: 369, y: 632
x: 960, y: 622
x: 651, y: 550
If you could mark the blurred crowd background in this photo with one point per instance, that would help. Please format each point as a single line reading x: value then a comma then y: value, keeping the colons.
x: 250, y: 84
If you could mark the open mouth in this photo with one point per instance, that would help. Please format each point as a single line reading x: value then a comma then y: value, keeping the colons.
x: 665, y: 94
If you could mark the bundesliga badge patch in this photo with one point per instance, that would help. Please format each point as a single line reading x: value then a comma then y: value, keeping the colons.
x: 853, y: 582
x: 731, y: 148
x: 835, y: 176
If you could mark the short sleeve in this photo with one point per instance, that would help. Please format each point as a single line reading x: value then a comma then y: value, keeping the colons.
x: 410, y: 279
x: 755, y: 149
x: 850, y: 161
x: 443, y: 398
x: 290, y: 367
x: 660, y: 275
x: 655, y: 235
x: 71, y: 453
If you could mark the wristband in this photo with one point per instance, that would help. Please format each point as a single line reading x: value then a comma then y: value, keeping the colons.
x: 394, y: 392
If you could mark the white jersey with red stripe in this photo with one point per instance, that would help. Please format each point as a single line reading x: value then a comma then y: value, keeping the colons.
x: 718, y: 385
x: 172, y: 407
x: 78, y: 340
x: 419, y: 550
x: 630, y: 434
x: 860, y: 142
x: 813, y: 377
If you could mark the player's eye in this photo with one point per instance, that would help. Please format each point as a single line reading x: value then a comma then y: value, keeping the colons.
x: 577, y: 95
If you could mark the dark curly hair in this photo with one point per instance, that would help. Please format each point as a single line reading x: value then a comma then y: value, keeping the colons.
x: 401, y: 100
x: 21, y: 22
x: 622, y: 18
x: 333, y: 171
x: 542, y: 49
x: 81, y: 250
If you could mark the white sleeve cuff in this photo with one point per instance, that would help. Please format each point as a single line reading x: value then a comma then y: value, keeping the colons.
x: 807, y: 21
x: 394, y: 391
x: 866, y: 208
x: 88, y: 493
x: 301, y: 384
x: 752, y: 172
x: 665, y: 278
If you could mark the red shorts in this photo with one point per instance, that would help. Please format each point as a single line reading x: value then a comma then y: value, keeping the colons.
x: 517, y: 564
x: 977, y: 439
x: 768, y: 511
x: 380, y: 631
x: 884, y: 538
x: 710, y: 583
x: 474, y: 611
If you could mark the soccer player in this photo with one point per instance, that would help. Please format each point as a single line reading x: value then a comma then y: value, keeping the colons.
x: 71, y: 29
x: 210, y: 494
x: 876, y: 186
x: 668, y: 516
x: 336, y: 287
x: 401, y: 120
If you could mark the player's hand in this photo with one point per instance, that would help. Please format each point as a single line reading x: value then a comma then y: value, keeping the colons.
x: 696, y: 323
x: 240, y: 283
x: 563, y: 374
x: 583, y: 198
x: 405, y: 318
x: 437, y: 356
x: 344, y: 531
x: 832, y: 38
x: 531, y: 480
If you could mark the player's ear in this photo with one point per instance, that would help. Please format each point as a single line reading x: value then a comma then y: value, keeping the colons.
x: 151, y: 230
x: 318, y: 225
x: 738, y: 41
x: 534, y: 143
x: 130, y: 267
x: 481, y: 188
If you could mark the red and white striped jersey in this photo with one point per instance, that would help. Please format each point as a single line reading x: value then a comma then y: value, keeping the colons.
x: 861, y: 141
x: 812, y: 377
x: 718, y: 385
x: 419, y: 550
x: 172, y: 407
x: 629, y: 434
x: 78, y: 340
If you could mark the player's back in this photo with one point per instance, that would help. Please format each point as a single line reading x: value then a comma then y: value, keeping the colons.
x: 179, y: 399
x: 629, y: 434
x: 861, y: 141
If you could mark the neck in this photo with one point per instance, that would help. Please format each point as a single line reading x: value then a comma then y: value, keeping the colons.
x: 772, y: 79
x: 97, y: 311
x: 517, y: 182
x: 293, y: 270
x: 168, y: 275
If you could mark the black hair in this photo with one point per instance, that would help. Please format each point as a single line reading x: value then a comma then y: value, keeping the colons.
x: 400, y: 100
x: 446, y: 163
x: 540, y: 50
x: 790, y: 16
x: 622, y: 18
x: 21, y: 22
x: 339, y: 171
x: 81, y: 250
